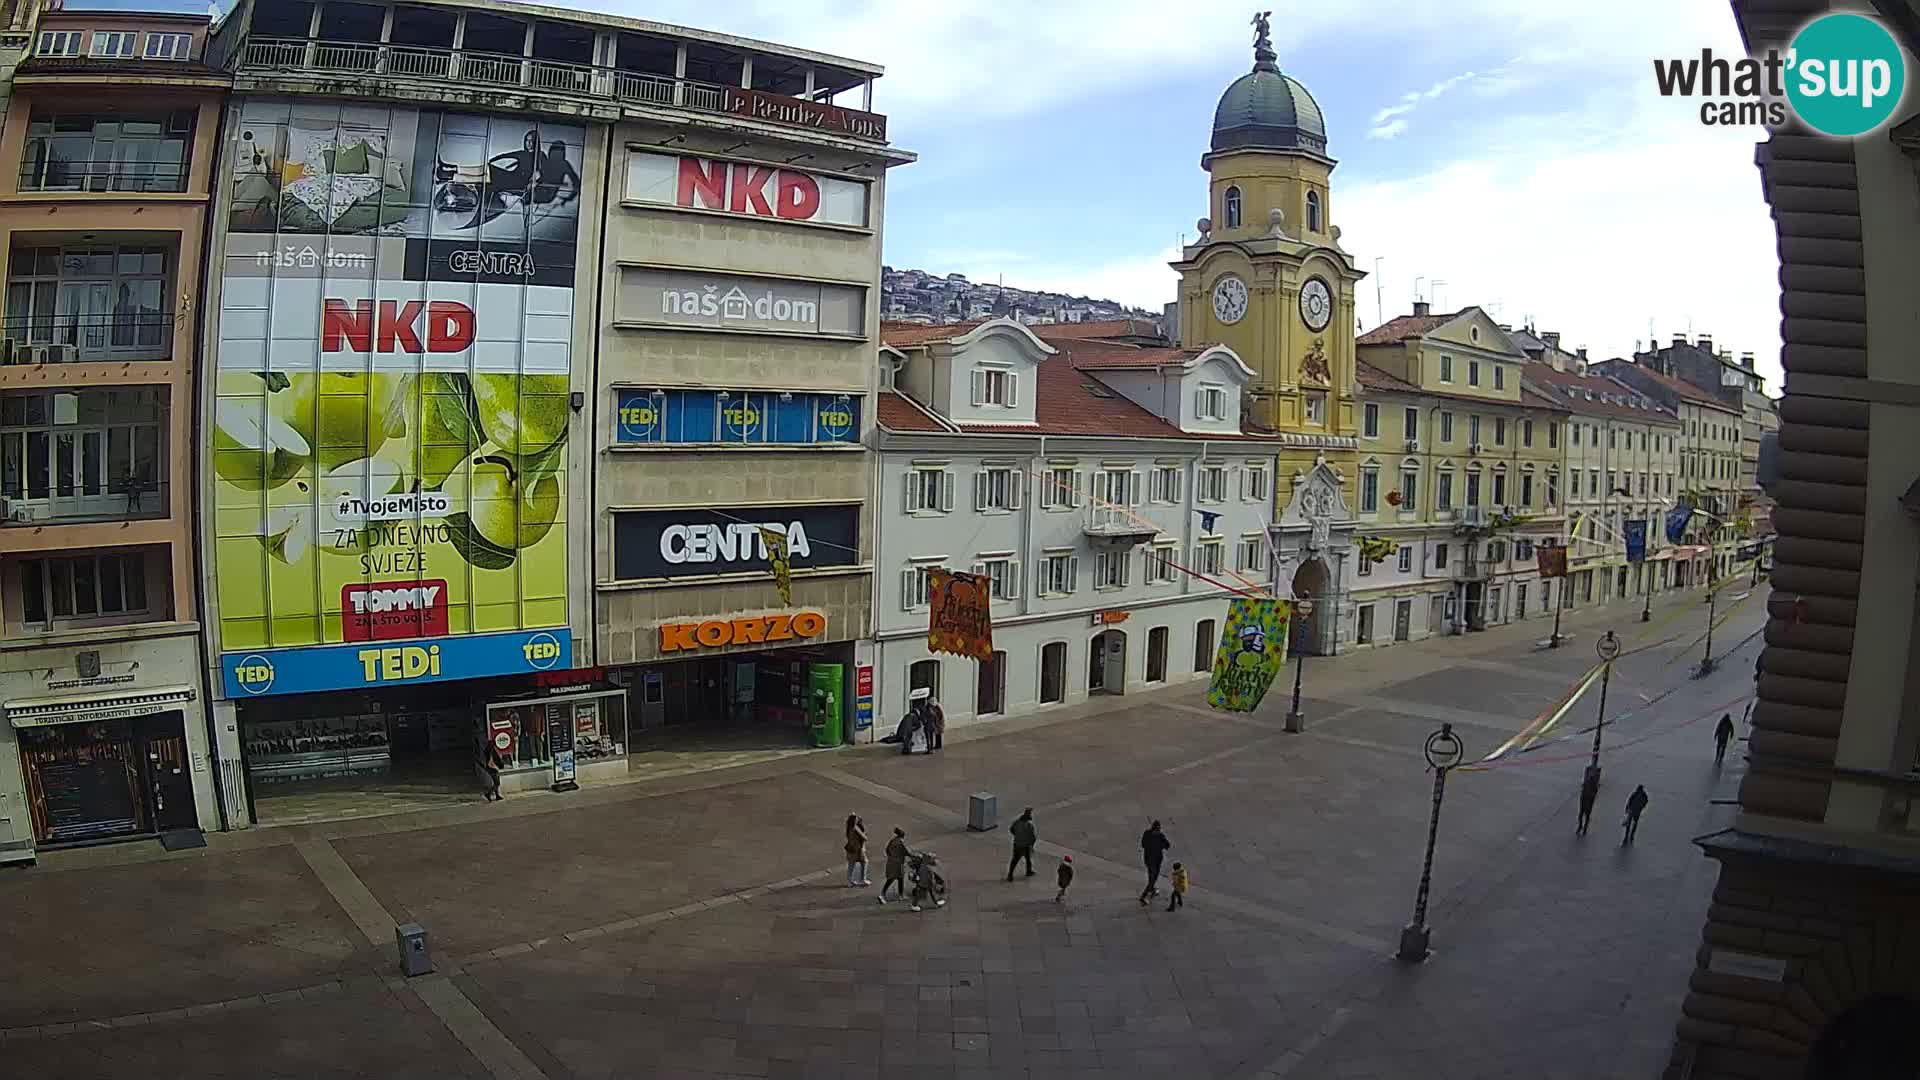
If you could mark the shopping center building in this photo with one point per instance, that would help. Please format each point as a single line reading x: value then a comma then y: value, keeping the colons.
x: 431, y: 298
x: 109, y: 150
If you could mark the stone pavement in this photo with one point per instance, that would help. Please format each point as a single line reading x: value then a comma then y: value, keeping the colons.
x: 700, y: 926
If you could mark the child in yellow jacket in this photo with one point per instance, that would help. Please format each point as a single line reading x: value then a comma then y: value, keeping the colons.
x: 1179, y: 881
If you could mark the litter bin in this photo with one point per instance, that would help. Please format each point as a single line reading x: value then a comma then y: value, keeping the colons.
x: 983, y: 811
x: 415, y: 957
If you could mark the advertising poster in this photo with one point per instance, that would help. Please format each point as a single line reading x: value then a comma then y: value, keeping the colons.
x: 389, y: 435
x: 1252, y: 648
x: 960, y: 620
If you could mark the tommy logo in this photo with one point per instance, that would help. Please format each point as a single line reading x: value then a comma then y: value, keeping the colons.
x: 393, y: 326
x: 381, y: 612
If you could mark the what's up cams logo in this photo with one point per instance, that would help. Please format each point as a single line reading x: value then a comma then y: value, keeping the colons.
x: 1842, y: 75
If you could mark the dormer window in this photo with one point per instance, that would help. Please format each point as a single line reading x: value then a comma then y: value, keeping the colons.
x: 1211, y: 403
x: 1232, y: 210
x: 995, y: 386
x: 114, y: 44
x: 58, y: 43
x: 1313, y: 211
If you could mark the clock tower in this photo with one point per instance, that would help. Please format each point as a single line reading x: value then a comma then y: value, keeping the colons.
x: 1268, y: 277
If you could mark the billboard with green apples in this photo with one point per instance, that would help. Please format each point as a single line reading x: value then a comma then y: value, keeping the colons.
x: 389, y: 435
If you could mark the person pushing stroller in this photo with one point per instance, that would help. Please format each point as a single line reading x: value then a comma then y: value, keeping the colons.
x: 923, y: 868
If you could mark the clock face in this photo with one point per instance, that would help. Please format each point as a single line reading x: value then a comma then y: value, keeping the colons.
x: 1230, y: 300
x: 1316, y: 304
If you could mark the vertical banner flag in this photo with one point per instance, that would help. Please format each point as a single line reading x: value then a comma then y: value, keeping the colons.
x: 1551, y: 560
x: 775, y: 542
x: 1677, y: 519
x: 1636, y: 533
x: 1252, y: 649
x: 960, y: 621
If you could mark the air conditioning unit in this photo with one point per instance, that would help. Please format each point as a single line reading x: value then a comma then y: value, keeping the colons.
x: 63, y: 354
x: 37, y: 354
x: 13, y: 511
x: 1413, y: 445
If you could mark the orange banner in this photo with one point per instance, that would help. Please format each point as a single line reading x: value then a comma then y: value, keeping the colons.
x: 961, y: 621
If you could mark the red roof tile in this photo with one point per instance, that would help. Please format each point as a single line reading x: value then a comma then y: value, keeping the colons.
x: 1376, y: 379
x: 1404, y: 326
x: 1106, y: 328
x: 1114, y: 354
x: 899, y: 413
x: 913, y: 333
x: 1570, y: 389
x: 1678, y: 387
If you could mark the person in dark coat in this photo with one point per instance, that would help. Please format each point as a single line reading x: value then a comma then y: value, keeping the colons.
x: 1722, y: 735
x: 1064, y: 876
x: 1153, y: 849
x: 934, y: 719
x: 1024, y: 837
x: 490, y: 762
x: 909, y: 727
x: 1589, y: 793
x: 1636, y: 805
x: 896, y: 865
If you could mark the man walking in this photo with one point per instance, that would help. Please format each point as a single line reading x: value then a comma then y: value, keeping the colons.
x: 1153, y: 849
x: 1589, y: 793
x: 1024, y: 837
x: 1636, y: 805
x: 934, y: 719
x: 1722, y: 735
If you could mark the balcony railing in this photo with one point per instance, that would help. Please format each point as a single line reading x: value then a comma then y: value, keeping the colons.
x: 72, y: 339
x: 77, y: 499
x: 1118, y: 526
x: 552, y: 76
x: 103, y: 176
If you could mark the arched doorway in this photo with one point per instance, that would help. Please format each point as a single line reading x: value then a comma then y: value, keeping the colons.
x: 1310, y: 583
x: 1878, y: 1039
x: 1107, y: 663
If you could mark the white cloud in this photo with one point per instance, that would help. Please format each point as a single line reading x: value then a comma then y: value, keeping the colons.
x: 1387, y: 130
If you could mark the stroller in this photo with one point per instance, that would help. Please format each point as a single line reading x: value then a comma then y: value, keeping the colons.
x: 923, y: 869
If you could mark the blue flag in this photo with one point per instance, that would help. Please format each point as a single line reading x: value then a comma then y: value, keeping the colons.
x: 1636, y: 533
x: 1677, y: 519
x: 1207, y: 518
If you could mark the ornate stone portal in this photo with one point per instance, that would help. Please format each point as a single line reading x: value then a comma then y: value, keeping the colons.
x: 1312, y: 542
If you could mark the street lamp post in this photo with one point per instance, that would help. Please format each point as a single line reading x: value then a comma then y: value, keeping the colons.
x: 1706, y: 656
x: 1566, y: 581
x: 1443, y: 752
x: 1608, y: 647
x: 1296, y: 722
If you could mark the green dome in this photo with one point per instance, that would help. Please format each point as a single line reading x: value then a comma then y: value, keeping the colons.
x: 1267, y: 110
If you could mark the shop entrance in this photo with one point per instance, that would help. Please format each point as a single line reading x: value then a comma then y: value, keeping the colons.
x: 1107, y: 663
x: 740, y: 707
x: 100, y: 781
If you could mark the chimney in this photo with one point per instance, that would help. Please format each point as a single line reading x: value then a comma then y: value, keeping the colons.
x: 1746, y: 360
x: 1552, y: 338
x: 1679, y: 339
x: 1705, y: 343
x: 1421, y: 307
x: 1582, y: 353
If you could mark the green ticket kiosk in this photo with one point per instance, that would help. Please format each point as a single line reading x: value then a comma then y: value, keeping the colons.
x: 826, y: 687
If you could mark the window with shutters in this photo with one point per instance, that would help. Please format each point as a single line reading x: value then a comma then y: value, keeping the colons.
x: 1405, y: 559
x: 1210, y: 556
x: 1446, y: 427
x: 916, y: 584
x: 1211, y: 403
x: 929, y: 490
x: 1163, y: 484
x: 1443, y: 490
x: 1253, y: 482
x: 1003, y: 576
x: 1116, y: 488
x: 1059, y: 570
x: 1160, y: 560
x: 1110, y: 569
x: 995, y: 386
x: 1409, y: 490
x: 1212, y: 484
x: 1369, y: 490
x: 1251, y: 557
x: 997, y: 487
x: 1370, y: 420
x: 1060, y: 488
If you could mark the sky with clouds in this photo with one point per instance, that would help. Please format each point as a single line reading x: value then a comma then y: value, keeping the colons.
x: 1505, y: 153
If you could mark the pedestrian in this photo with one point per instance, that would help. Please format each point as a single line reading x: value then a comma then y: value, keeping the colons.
x: 1177, y: 881
x: 1722, y: 735
x: 1636, y: 805
x: 1153, y: 848
x: 1024, y: 837
x: 910, y: 723
x: 896, y: 865
x: 934, y: 719
x: 1064, y: 876
x: 1589, y: 793
x: 857, y: 853
x: 489, y: 764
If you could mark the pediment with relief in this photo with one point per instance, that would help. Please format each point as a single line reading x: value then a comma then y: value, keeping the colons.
x: 1317, y: 496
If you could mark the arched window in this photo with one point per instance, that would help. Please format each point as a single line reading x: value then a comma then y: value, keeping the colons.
x: 1233, y: 208
x: 1313, y: 211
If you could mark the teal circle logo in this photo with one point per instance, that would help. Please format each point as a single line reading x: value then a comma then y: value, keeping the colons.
x: 1845, y: 74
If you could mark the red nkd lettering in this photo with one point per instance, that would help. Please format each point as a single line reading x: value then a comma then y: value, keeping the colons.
x: 393, y: 326
x: 799, y: 196
x: 704, y: 181
x: 749, y: 195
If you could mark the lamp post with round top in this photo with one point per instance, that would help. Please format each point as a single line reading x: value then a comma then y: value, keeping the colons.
x: 1608, y: 647
x: 1443, y: 752
x: 1302, y: 610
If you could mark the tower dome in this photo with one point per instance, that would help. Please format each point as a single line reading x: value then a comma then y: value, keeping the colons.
x: 1267, y: 110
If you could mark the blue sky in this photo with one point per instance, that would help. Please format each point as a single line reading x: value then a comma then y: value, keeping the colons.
x: 1531, y: 165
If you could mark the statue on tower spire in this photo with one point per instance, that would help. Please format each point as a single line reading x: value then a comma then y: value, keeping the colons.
x: 1264, y: 58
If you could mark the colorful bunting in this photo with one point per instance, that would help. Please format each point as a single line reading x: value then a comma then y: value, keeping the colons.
x: 1252, y: 649
x: 961, y: 620
x: 775, y: 542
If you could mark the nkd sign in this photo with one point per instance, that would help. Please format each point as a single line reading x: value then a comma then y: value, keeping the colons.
x: 747, y: 188
x: 410, y: 326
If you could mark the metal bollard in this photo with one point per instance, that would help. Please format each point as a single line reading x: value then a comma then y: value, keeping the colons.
x: 415, y: 957
x: 983, y: 811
